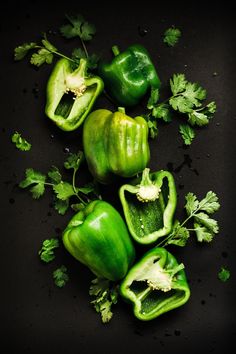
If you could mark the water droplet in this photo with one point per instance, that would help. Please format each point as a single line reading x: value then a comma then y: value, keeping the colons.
x: 49, y: 213
x: 52, y: 136
x: 24, y: 90
x: 203, y: 302
x: 58, y: 230
x: 11, y: 200
x: 142, y: 31
x: 224, y: 254
x: 181, y: 186
x: 66, y: 150
x: 170, y: 166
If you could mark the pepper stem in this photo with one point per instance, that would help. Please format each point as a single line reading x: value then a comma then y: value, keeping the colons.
x: 147, y: 190
x: 115, y: 50
x: 121, y: 109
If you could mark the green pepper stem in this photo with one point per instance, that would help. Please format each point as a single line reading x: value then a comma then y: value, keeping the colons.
x: 147, y: 190
x: 121, y: 110
x: 115, y: 50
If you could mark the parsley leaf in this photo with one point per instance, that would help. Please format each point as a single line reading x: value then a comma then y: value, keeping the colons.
x: 54, y: 175
x: 172, y: 36
x: 223, y: 274
x: 22, y: 50
x: 192, y: 203
x: 21, y: 143
x: 43, y: 56
x: 187, y: 133
x: 203, y: 233
x: 61, y: 206
x: 179, y: 235
x: 200, y: 117
x: 60, y: 276
x: 105, y: 296
x: 34, y: 177
x: 46, y: 253
x: 178, y: 83
x: 210, y: 203
x: 78, y: 27
x: 162, y: 111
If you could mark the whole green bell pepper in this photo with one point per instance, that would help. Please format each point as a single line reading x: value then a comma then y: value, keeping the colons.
x: 149, y: 205
x: 71, y: 94
x: 98, y: 237
x: 115, y: 143
x: 155, y: 284
x: 130, y: 75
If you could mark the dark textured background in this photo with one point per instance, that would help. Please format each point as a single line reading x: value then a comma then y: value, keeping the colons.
x: 36, y: 316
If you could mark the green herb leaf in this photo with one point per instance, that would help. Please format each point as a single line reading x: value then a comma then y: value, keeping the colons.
x: 54, y: 175
x: 41, y: 57
x: 21, y: 51
x: 223, y: 274
x: 106, y: 295
x: 77, y: 206
x: 178, y: 83
x: 60, y: 276
x: 162, y: 111
x: 187, y: 133
x: 21, y: 143
x: 172, y: 36
x: 203, y: 234
x: 191, y: 203
x: 179, y: 235
x: 61, y: 206
x: 202, y: 116
x: 46, y: 253
x: 154, y: 98
x: 34, y: 177
x: 205, y: 220
x: 63, y: 190
x: 48, y: 45
x: 210, y: 203
x: 74, y: 161
x: 78, y: 27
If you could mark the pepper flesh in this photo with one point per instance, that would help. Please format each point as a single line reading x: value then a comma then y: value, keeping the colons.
x: 98, y: 237
x: 71, y: 94
x: 155, y: 284
x: 129, y: 75
x: 149, y: 205
x: 115, y: 143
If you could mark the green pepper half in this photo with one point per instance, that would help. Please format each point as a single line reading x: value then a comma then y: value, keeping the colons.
x: 149, y: 205
x: 71, y: 94
x: 155, y: 284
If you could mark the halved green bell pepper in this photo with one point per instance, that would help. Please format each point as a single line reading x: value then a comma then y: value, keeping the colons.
x: 71, y: 94
x: 149, y: 205
x: 97, y: 236
x: 155, y: 284
x: 130, y: 75
x: 115, y: 143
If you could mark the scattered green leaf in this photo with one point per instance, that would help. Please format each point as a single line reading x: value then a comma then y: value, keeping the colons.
x: 224, y: 274
x: 172, y: 36
x: 37, y: 179
x: 78, y: 27
x: 21, y: 143
x: 187, y: 133
x: 60, y: 276
x: 46, y: 253
x: 22, y: 50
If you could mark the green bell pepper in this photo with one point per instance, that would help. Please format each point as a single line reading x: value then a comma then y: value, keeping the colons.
x: 149, y: 205
x: 130, y: 75
x: 98, y: 237
x: 155, y: 284
x: 71, y: 94
x: 115, y: 143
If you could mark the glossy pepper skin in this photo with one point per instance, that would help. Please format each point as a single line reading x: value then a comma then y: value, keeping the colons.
x: 155, y: 284
x: 98, y: 237
x: 71, y: 94
x: 130, y: 75
x: 115, y: 143
x: 149, y: 204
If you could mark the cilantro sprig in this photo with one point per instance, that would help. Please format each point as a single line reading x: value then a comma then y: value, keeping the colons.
x: 45, y: 51
x: 106, y: 294
x: 223, y: 274
x: 63, y: 190
x: 187, y: 99
x: 199, y: 213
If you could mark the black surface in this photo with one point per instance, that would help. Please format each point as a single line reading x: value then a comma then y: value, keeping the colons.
x: 38, y: 317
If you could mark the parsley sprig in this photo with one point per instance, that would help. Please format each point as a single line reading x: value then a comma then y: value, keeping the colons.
x: 60, y: 276
x: 63, y: 190
x: 204, y: 226
x: 106, y: 294
x: 46, y: 252
x: 187, y: 99
x: 172, y: 36
x: 20, y: 142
